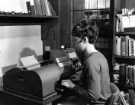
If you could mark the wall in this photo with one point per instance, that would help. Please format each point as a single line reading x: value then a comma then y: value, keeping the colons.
x: 130, y: 4
x: 13, y: 5
x: 16, y: 41
x: 65, y: 22
x: 118, y: 4
x: 125, y: 4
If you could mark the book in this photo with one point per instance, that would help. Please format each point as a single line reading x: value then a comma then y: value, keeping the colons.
x: 130, y: 78
x: 134, y: 76
x: 117, y: 45
x: 87, y: 4
x: 43, y: 7
x: 28, y: 4
x: 53, y: 12
x: 134, y: 47
x: 37, y: 5
x: 47, y: 8
x: 48, y: 11
x: 123, y: 46
x: 32, y: 7
x: 122, y: 74
x: 101, y: 4
x: 127, y: 45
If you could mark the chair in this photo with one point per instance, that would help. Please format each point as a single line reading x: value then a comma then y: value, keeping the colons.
x: 115, y: 99
x: 112, y: 100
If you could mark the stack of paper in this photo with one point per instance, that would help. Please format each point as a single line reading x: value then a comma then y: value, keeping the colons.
x: 29, y: 62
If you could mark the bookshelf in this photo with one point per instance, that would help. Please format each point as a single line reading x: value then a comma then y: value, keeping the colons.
x: 24, y: 19
x: 124, y: 51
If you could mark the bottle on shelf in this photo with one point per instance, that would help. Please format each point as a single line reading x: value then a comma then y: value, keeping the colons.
x: 47, y: 52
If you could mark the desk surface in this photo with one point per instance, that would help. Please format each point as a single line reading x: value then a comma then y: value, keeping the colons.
x: 7, y: 98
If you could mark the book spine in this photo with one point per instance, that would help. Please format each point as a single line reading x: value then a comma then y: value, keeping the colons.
x: 53, y: 12
x: 134, y: 47
x: 48, y: 12
x: 117, y: 45
x: 43, y: 7
x: 127, y: 45
x: 122, y: 74
x: 29, y: 9
x: 134, y: 76
x: 37, y: 7
x: 123, y: 46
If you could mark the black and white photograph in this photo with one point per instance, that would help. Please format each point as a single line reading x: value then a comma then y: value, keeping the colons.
x: 67, y: 52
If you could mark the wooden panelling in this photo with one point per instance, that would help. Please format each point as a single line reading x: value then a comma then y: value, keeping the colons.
x: 78, y: 4
x: 130, y: 4
x: 77, y: 16
x: 50, y: 30
x: 50, y: 34
x: 65, y: 22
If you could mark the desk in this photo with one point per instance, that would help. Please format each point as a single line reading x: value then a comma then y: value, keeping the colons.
x: 7, y: 98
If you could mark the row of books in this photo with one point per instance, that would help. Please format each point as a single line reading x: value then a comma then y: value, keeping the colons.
x: 124, y: 46
x: 124, y: 21
x: 40, y: 7
x: 126, y: 75
x: 97, y: 4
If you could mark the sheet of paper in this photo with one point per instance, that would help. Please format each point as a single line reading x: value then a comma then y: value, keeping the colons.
x: 19, y: 41
x: 125, y: 21
x: 30, y: 62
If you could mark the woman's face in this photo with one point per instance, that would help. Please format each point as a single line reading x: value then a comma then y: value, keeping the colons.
x: 78, y: 44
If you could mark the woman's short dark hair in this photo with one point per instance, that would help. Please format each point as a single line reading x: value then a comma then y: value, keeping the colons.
x: 86, y: 28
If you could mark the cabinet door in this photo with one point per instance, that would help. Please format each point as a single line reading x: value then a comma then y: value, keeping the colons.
x: 50, y: 28
x: 65, y: 22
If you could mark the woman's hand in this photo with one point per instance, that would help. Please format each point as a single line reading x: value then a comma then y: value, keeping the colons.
x: 68, y: 83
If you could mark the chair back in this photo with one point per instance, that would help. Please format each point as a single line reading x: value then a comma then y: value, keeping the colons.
x: 113, y: 100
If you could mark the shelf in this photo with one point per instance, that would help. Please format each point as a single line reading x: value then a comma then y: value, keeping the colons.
x: 125, y: 57
x: 125, y: 33
x: 106, y: 10
x: 8, y: 18
x: 26, y: 15
x: 116, y: 72
x: 98, y: 9
x: 90, y: 11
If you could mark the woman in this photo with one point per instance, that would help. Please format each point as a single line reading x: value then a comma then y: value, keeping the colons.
x: 95, y: 79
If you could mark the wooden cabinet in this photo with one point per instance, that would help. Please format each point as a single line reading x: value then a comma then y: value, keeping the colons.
x: 59, y: 29
x: 50, y: 25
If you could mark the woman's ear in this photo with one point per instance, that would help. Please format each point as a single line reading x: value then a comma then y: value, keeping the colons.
x: 86, y: 39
